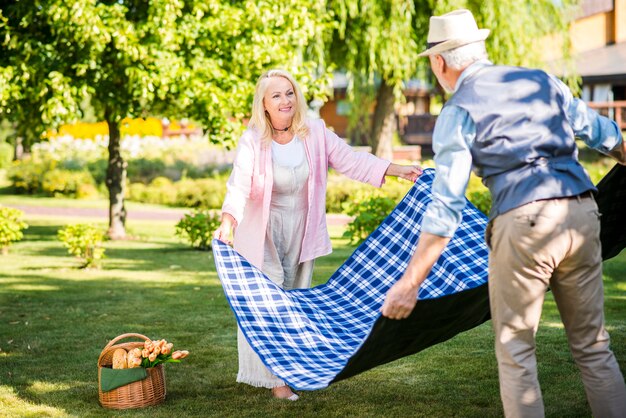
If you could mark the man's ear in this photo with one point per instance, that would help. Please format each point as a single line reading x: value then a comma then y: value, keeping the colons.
x: 441, y: 63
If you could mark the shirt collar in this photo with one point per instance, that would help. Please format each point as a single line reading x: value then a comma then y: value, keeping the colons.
x: 471, y: 69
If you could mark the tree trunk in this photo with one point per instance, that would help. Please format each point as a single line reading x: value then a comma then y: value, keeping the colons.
x: 18, y: 153
x: 116, y: 182
x: 384, y: 123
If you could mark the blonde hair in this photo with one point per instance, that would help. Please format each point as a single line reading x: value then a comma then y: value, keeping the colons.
x: 260, y: 120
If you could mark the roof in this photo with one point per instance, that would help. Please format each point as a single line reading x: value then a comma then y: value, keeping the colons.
x: 603, y: 64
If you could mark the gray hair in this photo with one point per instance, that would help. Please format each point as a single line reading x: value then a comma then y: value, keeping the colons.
x: 461, y: 57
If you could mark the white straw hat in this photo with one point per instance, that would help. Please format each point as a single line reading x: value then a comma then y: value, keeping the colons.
x: 452, y: 30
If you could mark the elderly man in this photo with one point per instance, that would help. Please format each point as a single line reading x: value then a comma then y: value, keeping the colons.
x: 516, y: 127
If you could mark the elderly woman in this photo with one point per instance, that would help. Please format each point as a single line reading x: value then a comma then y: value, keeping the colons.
x: 276, y: 196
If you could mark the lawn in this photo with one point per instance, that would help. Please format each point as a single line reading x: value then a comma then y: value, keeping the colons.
x: 55, y: 319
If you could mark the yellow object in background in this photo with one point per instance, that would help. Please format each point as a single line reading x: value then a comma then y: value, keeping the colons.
x: 134, y: 127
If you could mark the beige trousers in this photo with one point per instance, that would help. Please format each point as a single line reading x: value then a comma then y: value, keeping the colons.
x: 551, y: 243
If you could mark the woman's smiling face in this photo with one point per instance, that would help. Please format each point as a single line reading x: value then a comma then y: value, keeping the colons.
x: 280, y: 102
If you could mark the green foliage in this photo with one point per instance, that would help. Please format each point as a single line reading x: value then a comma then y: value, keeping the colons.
x: 198, y: 227
x: 60, y: 182
x: 372, y: 41
x: 478, y: 194
x: 482, y: 200
x: 6, y: 155
x: 202, y: 193
x: 193, y: 59
x: 340, y: 190
x: 145, y: 169
x: 27, y: 174
x: 157, y: 289
x: 180, y: 58
x: 514, y: 41
x: 11, y: 226
x: 369, y: 211
x: 85, y: 242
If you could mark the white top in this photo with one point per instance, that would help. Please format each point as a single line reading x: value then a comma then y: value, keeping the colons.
x: 290, y: 154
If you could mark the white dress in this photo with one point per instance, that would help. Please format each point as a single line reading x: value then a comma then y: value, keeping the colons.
x: 283, y: 244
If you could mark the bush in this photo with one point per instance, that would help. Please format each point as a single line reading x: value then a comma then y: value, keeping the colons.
x: 341, y: 190
x: 98, y: 170
x: 161, y: 191
x: 85, y: 242
x: 482, y: 200
x: 11, y: 226
x: 61, y: 182
x: 478, y: 194
x: 198, y: 227
x: 6, y: 155
x: 203, y: 193
x: 27, y: 174
x: 369, y: 212
x: 144, y: 170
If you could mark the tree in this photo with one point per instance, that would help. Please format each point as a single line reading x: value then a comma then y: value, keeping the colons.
x: 517, y: 26
x: 136, y: 57
x: 376, y: 43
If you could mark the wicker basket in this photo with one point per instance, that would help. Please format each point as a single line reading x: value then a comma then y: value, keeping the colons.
x: 145, y: 392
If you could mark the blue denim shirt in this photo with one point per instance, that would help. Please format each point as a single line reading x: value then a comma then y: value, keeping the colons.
x: 454, y: 135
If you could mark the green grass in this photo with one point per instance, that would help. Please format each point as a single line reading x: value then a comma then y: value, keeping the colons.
x: 55, y: 319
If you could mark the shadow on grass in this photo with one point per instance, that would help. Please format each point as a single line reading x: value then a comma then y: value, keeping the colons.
x: 133, y: 255
x: 65, y: 324
x: 7, y: 190
x: 42, y: 232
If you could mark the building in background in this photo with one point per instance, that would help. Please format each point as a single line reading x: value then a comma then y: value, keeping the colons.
x: 598, y: 38
x: 413, y: 114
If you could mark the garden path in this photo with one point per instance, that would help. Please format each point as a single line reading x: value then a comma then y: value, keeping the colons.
x: 173, y: 214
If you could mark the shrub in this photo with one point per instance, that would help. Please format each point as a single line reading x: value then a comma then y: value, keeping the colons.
x: 482, y: 200
x: 85, y: 242
x: 203, y: 193
x: 11, y: 226
x: 27, y: 174
x: 198, y: 227
x: 98, y: 170
x: 144, y: 170
x: 339, y: 192
x: 341, y: 189
x: 136, y: 192
x: 63, y: 182
x: 369, y: 212
x: 6, y: 155
x: 478, y: 194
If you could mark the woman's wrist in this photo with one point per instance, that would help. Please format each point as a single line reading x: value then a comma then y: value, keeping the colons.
x: 392, y: 170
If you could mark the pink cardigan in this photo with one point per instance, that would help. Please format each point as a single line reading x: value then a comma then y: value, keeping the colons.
x: 249, y: 188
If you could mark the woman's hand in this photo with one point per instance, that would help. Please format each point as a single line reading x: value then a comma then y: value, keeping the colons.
x: 407, y: 172
x: 225, y: 230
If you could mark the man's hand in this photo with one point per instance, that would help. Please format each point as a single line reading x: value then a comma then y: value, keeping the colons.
x: 400, y: 300
x: 402, y: 296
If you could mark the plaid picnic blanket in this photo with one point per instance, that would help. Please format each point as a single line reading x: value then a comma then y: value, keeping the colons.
x: 313, y: 337
x: 611, y: 200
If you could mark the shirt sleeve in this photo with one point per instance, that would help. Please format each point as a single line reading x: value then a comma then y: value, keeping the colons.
x: 239, y: 183
x: 453, y: 135
x: 596, y: 131
x: 361, y: 166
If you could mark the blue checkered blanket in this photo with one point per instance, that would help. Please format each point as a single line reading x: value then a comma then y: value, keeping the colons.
x: 307, y: 337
